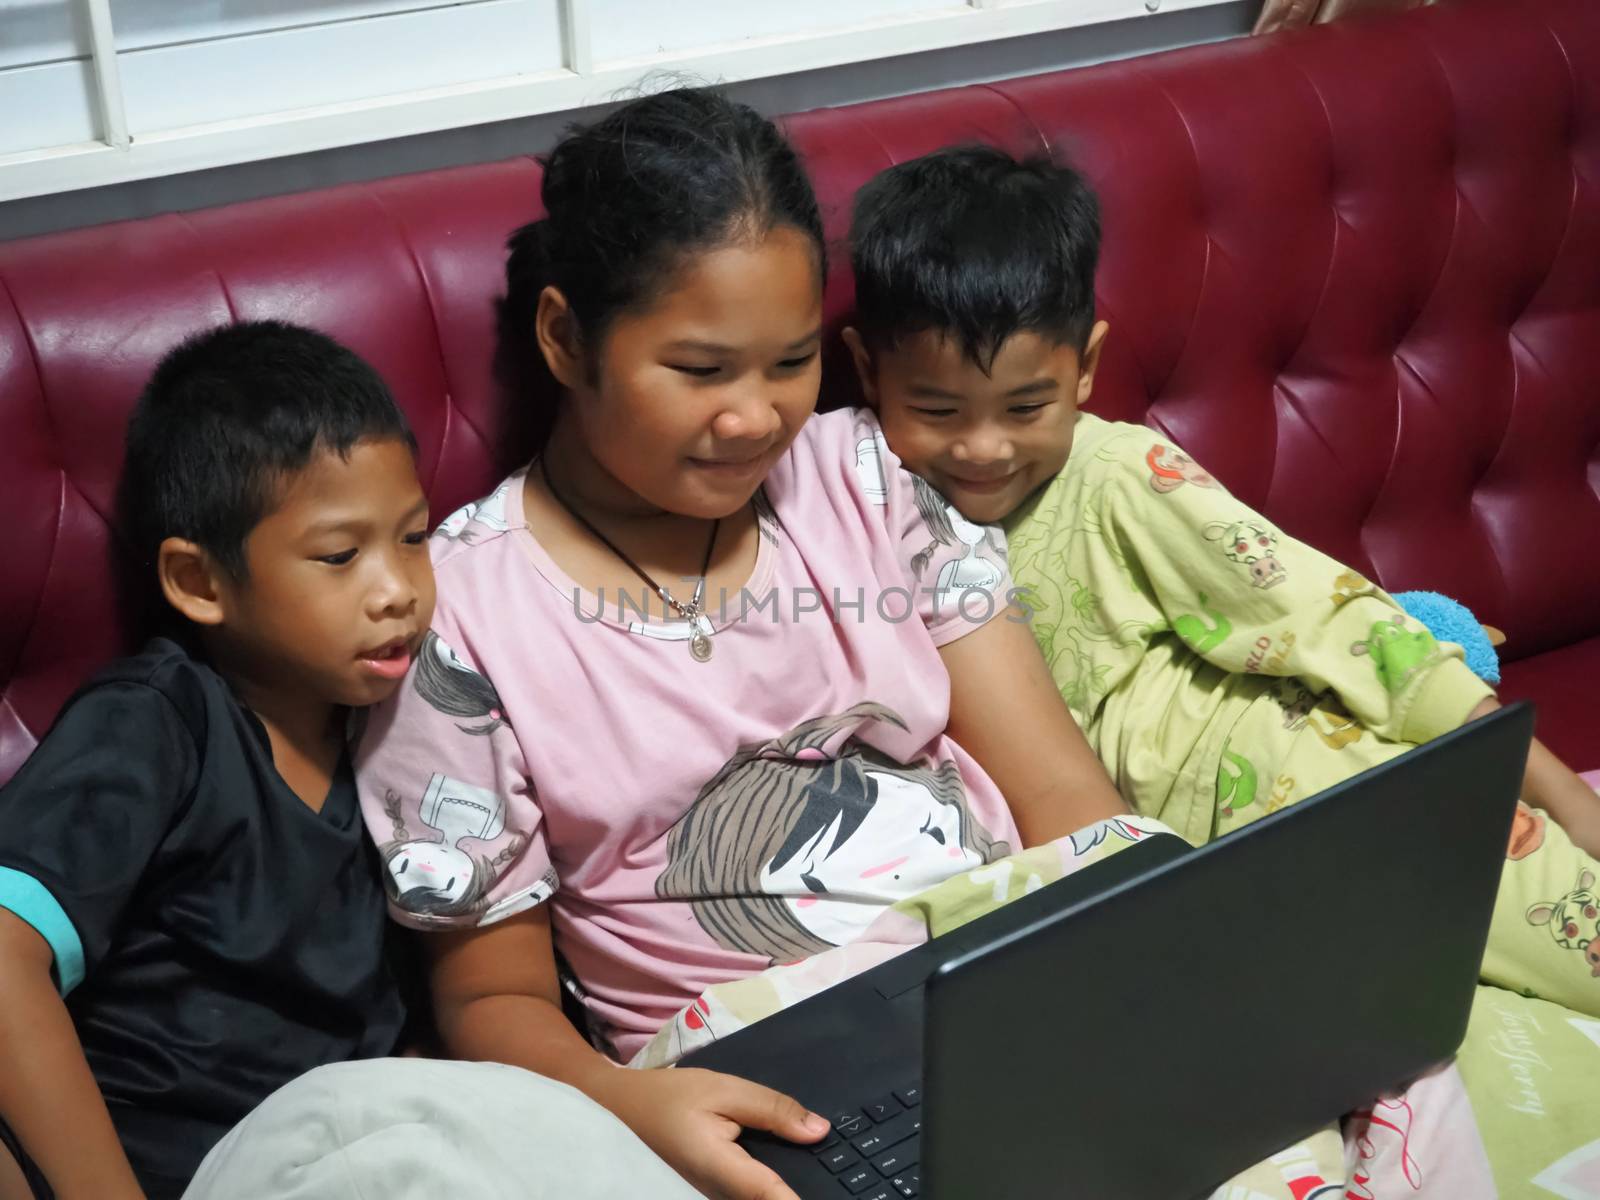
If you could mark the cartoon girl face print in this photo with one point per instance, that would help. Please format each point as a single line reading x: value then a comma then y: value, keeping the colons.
x: 455, y: 689
x: 891, y: 838
x: 1171, y: 468
x: 870, y: 470
x: 488, y: 513
x: 965, y: 531
x: 947, y: 527
x: 433, y: 873
x: 441, y: 878
x: 971, y: 570
x: 799, y: 843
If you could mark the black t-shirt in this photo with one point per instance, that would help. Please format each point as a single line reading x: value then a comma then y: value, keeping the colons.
x: 231, y: 938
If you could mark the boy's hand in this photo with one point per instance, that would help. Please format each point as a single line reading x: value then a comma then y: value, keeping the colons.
x: 1551, y: 785
x: 691, y: 1117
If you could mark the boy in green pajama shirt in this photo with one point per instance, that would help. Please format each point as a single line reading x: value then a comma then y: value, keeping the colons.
x: 1219, y: 668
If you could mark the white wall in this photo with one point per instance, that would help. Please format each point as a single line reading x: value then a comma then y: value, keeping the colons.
x: 52, y: 28
x: 187, y: 62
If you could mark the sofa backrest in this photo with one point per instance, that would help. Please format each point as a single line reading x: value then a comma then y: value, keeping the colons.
x: 1355, y: 271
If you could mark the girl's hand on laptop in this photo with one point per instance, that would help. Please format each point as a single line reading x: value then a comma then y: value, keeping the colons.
x: 692, y: 1117
x: 497, y: 996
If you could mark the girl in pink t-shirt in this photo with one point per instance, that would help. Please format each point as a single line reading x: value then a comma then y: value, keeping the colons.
x: 712, y: 681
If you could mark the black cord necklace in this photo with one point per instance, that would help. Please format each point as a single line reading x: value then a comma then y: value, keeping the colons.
x: 692, y: 612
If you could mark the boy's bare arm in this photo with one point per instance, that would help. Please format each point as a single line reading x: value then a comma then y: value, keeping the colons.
x: 47, y: 1095
x: 498, y: 999
x: 1006, y: 712
x: 1551, y: 785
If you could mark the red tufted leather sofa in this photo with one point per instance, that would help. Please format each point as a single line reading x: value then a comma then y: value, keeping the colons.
x: 1355, y: 270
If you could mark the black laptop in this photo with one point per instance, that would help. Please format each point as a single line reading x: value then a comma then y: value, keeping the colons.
x: 1152, y: 1025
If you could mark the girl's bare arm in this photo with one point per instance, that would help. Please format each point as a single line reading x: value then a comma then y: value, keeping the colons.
x: 1005, y: 711
x: 498, y: 999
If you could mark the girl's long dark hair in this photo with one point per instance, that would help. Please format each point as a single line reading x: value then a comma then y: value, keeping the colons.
x: 626, y: 198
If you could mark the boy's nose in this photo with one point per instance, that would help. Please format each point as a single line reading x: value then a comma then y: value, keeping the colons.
x: 983, y: 448
x: 394, y: 596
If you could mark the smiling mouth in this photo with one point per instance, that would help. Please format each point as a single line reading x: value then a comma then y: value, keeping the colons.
x: 982, y: 485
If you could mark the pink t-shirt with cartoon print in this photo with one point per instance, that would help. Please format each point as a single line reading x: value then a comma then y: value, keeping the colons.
x: 694, y: 822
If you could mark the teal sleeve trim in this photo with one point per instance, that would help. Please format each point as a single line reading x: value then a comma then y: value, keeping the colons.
x: 31, y: 900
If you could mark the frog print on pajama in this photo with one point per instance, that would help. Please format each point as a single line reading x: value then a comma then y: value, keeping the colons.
x: 1203, y: 636
x: 1397, y: 653
x: 1236, y: 782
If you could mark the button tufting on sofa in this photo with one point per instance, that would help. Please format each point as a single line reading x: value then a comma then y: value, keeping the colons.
x: 1351, y: 269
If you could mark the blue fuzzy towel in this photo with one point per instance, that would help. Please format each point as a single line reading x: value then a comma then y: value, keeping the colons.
x: 1451, y: 621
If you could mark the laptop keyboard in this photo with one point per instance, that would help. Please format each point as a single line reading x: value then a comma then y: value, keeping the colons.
x: 873, y: 1150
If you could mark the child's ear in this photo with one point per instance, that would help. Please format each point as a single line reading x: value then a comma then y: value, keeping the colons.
x: 862, y: 357
x: 190, y: 580
x: 1089, y: 361
x: 555, y: 327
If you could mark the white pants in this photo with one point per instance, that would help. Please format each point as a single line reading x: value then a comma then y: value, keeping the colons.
x: 399, y: 1128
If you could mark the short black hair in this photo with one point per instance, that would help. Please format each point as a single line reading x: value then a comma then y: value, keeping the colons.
x: 226, y: 417
x: 978, y: 245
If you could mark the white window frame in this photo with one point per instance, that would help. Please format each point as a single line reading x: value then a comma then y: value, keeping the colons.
x: 119, y: 157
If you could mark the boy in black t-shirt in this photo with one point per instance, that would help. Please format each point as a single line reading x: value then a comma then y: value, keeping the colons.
x: 189, y: 913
